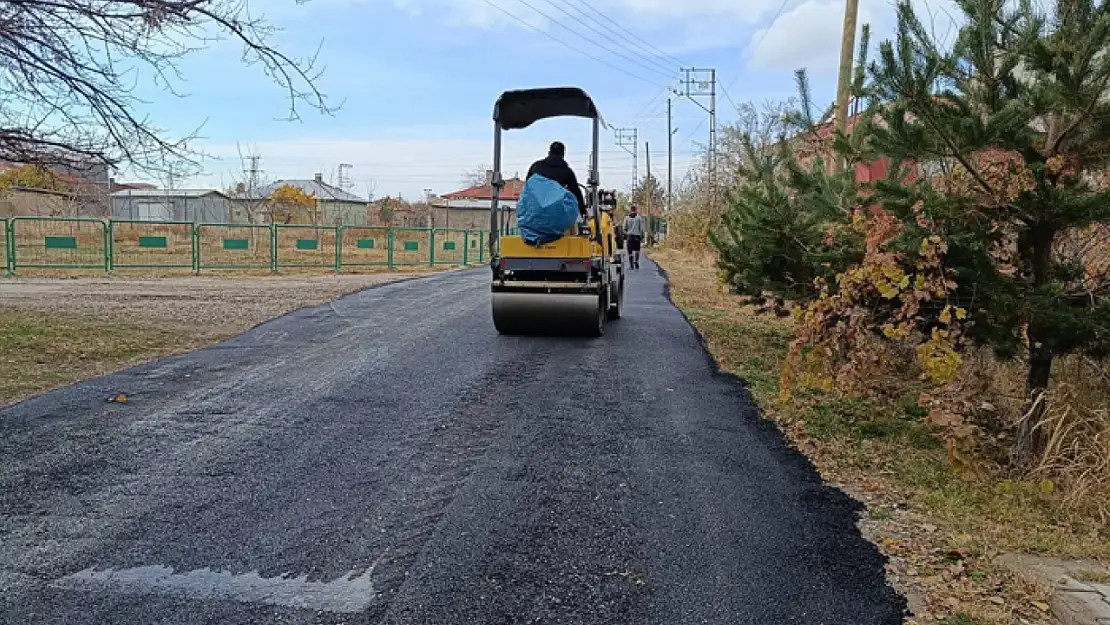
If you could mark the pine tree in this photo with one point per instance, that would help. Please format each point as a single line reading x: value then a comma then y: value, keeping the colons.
x: 780, y: 234
x: 1008, y: 129
x: 786, y: 225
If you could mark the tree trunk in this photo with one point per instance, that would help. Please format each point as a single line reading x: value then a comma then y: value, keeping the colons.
x: 1030, y: 440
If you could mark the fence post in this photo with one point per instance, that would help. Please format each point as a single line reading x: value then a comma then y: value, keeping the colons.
x: 11, y: 244
x: 194, y: 244
x: 432, y: 247
x: 466, y: 248
x: 339, y: 248
x: 108, y: 238
x: 7, y: 247
x: 273, y: 248
x: 389, y: 242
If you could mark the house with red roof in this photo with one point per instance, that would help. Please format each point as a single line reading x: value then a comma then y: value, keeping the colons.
x: 469, y: 208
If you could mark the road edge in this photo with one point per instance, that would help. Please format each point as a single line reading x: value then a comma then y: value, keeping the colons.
x: 859, y: 508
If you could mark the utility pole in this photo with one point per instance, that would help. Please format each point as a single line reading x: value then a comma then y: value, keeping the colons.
x: 647, y: 191
x: 252, y: 175
x: 843, y: 90
x: 702, y: 83
x: 629, y: 138
x: 670, y: 156
x: 428, y: 206
x: 344, y: 180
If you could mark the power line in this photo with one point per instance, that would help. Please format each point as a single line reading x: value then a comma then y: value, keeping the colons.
x: 650, y: 57
x: 651, y: 102
x: 579, y: 50
x: 658, y: 67
x: 585, y: 38
x: 632, y: 34
x: 728, y: 97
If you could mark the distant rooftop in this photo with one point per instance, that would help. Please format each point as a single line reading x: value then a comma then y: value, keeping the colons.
x: 187, y: 193
x: 316, y: 188
x: 511, y: 191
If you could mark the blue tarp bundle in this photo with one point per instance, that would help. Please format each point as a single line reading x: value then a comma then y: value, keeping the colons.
x: 545, y: 210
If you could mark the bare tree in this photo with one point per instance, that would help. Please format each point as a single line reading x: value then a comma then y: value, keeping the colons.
x: 64, y: 65
x: 475, y: 177
x: 248, y: 185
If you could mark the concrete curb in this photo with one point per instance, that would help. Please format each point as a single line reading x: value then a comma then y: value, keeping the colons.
x: 1073, y: 602
x: 1080, y: 603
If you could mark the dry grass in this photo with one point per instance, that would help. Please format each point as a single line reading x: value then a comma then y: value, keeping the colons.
x: 40, y: 351
x: 941, y: 527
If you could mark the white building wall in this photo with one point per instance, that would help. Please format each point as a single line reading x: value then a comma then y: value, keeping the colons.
x: 510, y: 204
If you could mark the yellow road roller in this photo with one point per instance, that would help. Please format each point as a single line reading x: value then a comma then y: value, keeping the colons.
x: 570, y: 286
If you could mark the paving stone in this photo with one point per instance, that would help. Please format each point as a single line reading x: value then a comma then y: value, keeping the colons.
x: 1079, y: 608
x: 1070, y: 584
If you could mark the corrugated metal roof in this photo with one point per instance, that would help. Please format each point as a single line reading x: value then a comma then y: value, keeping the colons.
x: 186, y: 193
x: 317, y: 189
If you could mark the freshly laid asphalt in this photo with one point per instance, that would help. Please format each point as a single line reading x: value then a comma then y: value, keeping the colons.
x: 388, y: 458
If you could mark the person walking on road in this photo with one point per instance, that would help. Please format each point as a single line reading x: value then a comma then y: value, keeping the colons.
x: 634, y: 231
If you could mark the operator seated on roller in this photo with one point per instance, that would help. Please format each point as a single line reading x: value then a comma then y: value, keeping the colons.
x: 555, y: 167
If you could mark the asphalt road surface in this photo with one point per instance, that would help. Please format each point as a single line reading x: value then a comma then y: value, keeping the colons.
x: 388, y: 458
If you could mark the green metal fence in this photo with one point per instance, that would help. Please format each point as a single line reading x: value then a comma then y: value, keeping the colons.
x: 152, y: 244
x: 306, y: 246
x: 449, y: 247
x: 366, y: 246
x: 59, y: 243
x: 231, y: 246
x: 413, y: 246
x: 72, y: 243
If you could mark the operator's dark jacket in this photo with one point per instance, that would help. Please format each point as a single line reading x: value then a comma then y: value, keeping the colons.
x: 555, y: 168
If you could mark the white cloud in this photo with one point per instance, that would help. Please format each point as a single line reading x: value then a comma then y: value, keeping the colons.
x: 809, y: 35
x: 732, y: 10
x: 667, y: 24
x: 475, y: 13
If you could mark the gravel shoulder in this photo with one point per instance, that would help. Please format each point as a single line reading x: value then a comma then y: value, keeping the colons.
x: 58, y: 331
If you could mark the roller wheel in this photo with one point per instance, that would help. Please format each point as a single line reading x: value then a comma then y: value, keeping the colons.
x: 614, y: 311
x: 602, y: 315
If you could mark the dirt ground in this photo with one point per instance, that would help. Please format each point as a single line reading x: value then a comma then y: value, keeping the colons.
x: 55, y: 332
x: 208, y: 306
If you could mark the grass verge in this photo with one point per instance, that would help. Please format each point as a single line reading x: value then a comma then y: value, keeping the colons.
x: 40, y: 351
x: 941, y: 529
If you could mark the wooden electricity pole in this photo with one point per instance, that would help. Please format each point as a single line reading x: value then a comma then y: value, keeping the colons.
x: 844, y: 83
x: 648, y: 190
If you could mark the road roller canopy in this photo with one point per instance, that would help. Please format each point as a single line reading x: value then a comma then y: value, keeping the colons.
x: 523, y: 107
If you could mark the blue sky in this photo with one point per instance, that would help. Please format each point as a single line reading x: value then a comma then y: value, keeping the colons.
x: 417, y: 80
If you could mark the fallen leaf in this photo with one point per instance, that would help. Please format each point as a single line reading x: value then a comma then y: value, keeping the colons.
x: 118, y: 399
x: 997, y: 600
x: 1042, y: 606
